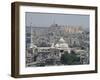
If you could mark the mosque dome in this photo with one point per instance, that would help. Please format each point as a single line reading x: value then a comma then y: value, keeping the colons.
x: 61, y: 43
x: 61, y: 40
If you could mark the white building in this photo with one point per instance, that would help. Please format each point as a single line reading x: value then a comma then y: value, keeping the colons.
x: 62, y: 45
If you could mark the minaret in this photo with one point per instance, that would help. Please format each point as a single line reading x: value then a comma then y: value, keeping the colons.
x: 54, y: 23
x: 31, y: 31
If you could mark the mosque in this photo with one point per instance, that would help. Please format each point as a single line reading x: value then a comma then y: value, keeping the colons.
x: 53, y: 52
x: 60, y: 45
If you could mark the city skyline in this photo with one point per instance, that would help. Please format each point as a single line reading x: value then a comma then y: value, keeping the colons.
x: 56, y: 39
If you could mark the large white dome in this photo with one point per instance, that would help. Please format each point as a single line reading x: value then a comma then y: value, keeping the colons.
x: 61, y: 43
x: 61, y: 40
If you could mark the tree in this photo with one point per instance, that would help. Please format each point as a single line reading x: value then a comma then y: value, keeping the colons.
x: 70, y: 59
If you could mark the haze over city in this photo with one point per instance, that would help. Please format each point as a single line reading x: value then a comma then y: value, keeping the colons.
x: 46, y: 19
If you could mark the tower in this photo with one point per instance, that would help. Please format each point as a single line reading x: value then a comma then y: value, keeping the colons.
x: 31, y: 35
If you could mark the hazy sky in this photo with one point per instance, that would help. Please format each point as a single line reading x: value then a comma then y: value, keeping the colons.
x: 45, y: 19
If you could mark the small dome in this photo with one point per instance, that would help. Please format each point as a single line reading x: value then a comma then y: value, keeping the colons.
x: 57, y: 45
x: 33, y: 46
